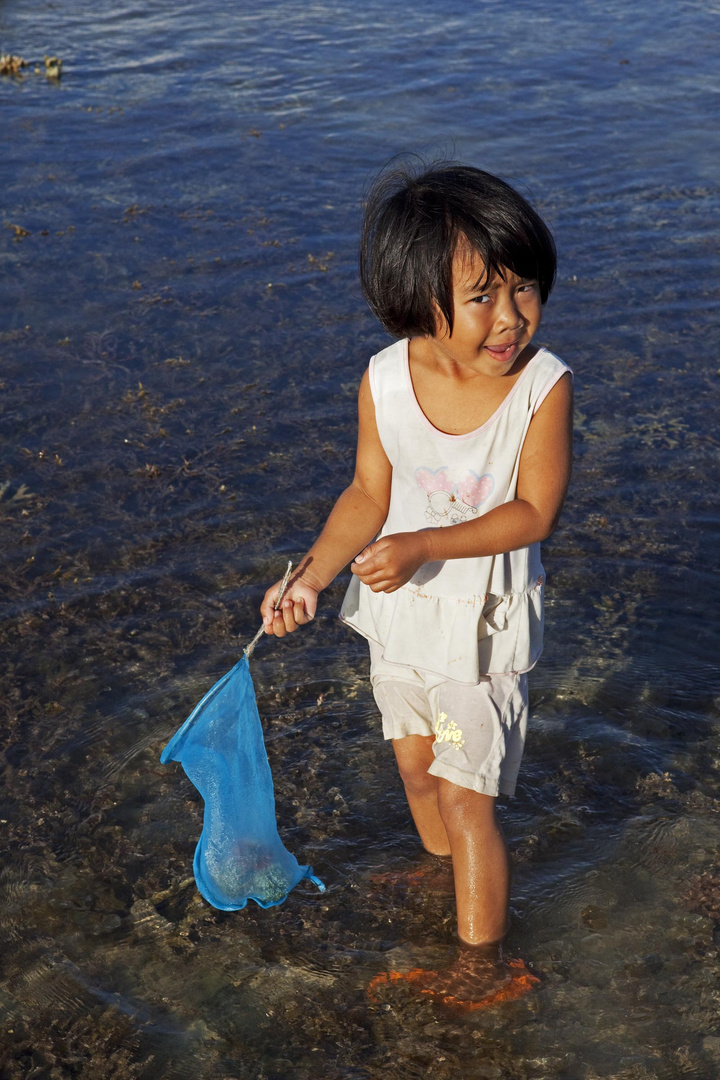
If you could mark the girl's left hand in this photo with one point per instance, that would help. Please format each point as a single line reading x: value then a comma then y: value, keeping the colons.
x: 391, y: 561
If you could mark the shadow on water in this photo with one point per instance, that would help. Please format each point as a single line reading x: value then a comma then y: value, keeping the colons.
x: 181, y: 338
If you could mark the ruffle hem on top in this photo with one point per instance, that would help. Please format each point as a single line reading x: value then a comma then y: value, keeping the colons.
x: 504, y: 633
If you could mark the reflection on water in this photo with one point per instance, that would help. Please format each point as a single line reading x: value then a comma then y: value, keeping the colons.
x: 181, y: 338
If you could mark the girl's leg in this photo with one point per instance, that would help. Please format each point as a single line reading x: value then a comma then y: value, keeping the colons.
x: 414, y: 757
x: 480, y: 862
x: 465, y: 820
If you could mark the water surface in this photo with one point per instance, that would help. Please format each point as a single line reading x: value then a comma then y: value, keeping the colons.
x: 181, y: 339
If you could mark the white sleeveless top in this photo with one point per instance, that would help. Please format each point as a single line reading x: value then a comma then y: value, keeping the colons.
x: 461, y: 618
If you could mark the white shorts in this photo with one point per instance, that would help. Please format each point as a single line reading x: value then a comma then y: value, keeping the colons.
x: 479, y: 731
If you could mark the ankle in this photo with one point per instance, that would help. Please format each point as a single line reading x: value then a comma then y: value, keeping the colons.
x: 481, y: 950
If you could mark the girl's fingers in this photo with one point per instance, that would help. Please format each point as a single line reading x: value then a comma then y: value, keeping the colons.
x: 378, y: 575
x: 370, y: 559
x: 371, y: 577
x: 382, y: 586
x: 294, y: 611
x: 286, y: 617
x: 293, y: 614
x: 300, y: 612
x: 267, y: 608
x: 268, y: 617
x: 367, y: 572
x: 364, y: 555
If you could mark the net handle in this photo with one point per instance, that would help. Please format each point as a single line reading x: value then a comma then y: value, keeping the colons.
x: 247, y: 652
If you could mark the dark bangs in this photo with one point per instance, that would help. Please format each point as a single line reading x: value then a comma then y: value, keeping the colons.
x: 416, y: 221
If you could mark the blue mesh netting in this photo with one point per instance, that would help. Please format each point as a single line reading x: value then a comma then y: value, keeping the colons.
x: 220, y: 746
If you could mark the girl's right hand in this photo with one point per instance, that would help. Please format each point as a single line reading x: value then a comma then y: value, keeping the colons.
x: 297, y: 607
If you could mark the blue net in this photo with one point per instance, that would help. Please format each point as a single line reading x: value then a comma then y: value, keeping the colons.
x: 239, y: 856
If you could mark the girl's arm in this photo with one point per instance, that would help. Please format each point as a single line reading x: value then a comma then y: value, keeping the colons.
x: 355, y: 519
x: 543, y: 479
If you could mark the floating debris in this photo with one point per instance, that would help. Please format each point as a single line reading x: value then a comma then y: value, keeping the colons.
x: 322, y: 262
x: 20, y: 495
x: 11, y: 65
x: 53, y: 67
x: 20, y: 232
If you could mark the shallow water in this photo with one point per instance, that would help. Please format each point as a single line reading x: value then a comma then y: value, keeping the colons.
x: 181, y: 338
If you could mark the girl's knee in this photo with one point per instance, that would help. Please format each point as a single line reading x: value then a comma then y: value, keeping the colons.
x: 416, y: 778
x: 421, y: 787
x: 461, y: 805
x: 414, y: 758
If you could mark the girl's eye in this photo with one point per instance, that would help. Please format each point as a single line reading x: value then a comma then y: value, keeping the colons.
x: 528, y: 285
x: 480, y: 299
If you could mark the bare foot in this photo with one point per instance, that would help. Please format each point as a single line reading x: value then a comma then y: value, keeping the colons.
x: 477, y: 978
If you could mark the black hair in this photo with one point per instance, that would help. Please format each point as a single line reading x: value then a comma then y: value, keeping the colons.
x: 415, y: 221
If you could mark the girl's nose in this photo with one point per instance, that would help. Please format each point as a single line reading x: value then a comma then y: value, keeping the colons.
x: 508, y: 316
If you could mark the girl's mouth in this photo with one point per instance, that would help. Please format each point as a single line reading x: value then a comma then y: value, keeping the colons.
x: 502, y: 353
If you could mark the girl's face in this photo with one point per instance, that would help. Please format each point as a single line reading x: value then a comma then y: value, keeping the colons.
x: 491, y: 325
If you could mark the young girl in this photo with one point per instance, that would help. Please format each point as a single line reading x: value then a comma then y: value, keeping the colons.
x: 463, y: 461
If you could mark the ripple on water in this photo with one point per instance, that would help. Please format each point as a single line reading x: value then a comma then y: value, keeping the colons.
x: 181, y: 337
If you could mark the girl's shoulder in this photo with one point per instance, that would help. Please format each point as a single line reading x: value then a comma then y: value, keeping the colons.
x: 545, y: 362
x: 392, y: 356
x: 388, y: 368
x: 541, y: 374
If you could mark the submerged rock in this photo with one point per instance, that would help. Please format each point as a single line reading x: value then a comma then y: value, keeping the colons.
x: 702, y: 894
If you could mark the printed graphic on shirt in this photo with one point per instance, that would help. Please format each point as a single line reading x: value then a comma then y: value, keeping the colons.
x: 448, y: 731
x: 451, y: 502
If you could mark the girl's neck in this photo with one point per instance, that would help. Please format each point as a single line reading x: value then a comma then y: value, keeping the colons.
x: 455, y: 399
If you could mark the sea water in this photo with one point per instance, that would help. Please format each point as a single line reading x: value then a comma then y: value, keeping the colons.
x: 181, y: 339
